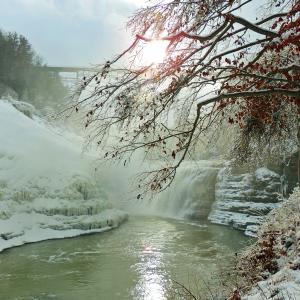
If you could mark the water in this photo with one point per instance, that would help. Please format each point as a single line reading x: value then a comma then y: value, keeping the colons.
x: 136, y: 261
x: 139, y: 260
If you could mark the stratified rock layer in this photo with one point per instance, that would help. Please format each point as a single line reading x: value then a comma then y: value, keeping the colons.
x: 242, y: 200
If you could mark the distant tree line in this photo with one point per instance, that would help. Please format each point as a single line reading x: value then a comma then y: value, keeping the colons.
x: 22, y: 71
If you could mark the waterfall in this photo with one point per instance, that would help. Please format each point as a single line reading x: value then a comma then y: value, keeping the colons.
x: 191, y: 195
x: 212, y: 190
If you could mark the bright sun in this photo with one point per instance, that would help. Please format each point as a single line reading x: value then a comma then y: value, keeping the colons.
x: 154, y: 52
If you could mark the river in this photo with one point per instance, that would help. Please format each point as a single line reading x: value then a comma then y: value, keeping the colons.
x: 138, y: 260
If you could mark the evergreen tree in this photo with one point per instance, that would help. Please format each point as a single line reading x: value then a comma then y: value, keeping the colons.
x: 22, y: 71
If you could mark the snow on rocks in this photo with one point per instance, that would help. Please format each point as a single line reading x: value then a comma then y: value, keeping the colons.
x: 22, y: 228
x: 266, y: 175
x: 273, y: 262
x: 48, y: 188
x: 285, y: 284
x: 243, y: 199
x: 26, y: 108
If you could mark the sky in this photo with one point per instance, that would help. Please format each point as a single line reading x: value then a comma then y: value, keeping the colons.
x: 70, y: 32
x: 73, y: 32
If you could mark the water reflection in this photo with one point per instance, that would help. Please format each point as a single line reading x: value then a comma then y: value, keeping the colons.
x: 152, y: 274
x: 136, y: 261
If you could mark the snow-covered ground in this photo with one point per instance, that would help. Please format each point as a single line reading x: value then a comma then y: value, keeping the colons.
x: 284, y: 285
x: 48, y: 188
x: 277, y: 249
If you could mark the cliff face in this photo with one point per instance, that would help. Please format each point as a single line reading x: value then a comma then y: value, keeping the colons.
x: 226, y: 195
x: 242, y: 199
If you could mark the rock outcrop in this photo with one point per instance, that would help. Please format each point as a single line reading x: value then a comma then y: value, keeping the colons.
x: 243, y: 199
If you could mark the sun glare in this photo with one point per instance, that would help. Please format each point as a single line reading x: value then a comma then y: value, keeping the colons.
x: 154, y: 52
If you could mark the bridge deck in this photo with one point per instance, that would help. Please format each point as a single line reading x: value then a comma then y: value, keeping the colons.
x: 60, y: 69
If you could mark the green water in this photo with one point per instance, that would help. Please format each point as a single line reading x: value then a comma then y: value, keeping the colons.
x: 139, y: 260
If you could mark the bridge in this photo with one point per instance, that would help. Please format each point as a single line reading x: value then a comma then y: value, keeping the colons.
x: 79, y: 71
x: 74, y: 70
x: 69, y: 69
x: 61, y: 69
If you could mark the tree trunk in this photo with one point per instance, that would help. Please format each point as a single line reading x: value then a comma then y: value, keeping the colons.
x: 298, y: 136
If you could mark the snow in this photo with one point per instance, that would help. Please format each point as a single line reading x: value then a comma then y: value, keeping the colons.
x: 29, y: 149
x: 243, y: 199
x: 264, y: 174
x: 284, y: 283
x: 22, y: 228
x: 48, y: 187
x: 289, y: 33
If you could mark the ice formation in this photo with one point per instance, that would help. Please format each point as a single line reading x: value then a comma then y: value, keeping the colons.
x: 243, y: 199
x: 48, y: 188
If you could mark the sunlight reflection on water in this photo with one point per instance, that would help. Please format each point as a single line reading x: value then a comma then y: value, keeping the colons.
x: 152, y: 282
x: 141, y: 260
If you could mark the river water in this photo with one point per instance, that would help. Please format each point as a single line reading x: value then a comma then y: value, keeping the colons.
x: 139, y: 260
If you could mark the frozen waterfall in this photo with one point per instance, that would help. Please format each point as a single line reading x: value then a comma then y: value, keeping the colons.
x: 48, y: 188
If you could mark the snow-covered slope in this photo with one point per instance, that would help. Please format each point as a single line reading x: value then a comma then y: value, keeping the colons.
x: 48, y: 188
x: 271, y: 267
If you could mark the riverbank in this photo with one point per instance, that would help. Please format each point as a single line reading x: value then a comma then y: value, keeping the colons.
x: 30, y: 227
x: 270, y: 268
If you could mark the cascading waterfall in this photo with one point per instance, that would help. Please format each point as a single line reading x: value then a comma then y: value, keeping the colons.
x: 191, y: 195
x: 212, y: 190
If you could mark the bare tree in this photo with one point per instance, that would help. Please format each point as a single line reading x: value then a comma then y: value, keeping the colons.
x: 218, y: 65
